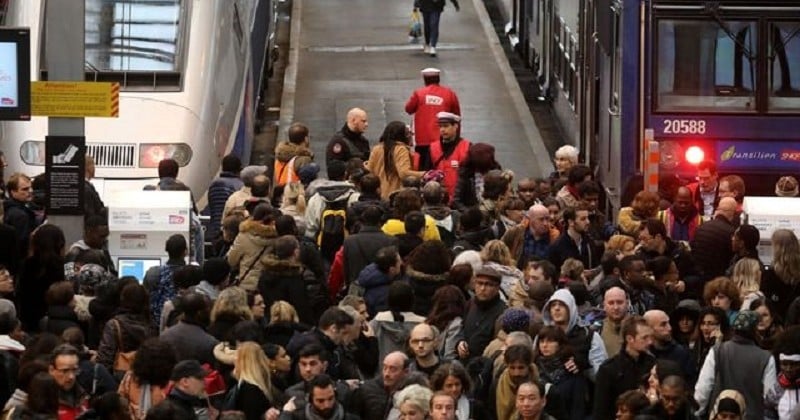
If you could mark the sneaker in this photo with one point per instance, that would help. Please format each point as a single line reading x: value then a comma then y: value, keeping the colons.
x: 426, y: 49
x: 432, y: 51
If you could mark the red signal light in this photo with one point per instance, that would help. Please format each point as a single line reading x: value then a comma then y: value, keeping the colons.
x: 695, y: 155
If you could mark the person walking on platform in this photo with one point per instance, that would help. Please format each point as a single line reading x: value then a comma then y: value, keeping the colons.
x: 449, y: 151
x: 349, y: 142
x: 425, y: 103
x: 431, y: 12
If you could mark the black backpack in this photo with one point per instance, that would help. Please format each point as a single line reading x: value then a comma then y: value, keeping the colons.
x: 333, y: 227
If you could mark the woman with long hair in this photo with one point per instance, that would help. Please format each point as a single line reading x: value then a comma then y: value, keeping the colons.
x: 769, y: 326
x: 714, y: 327
x: 229, y: 308
x: 496, y: 254
x: 747, y: 277
x: 255, y: 394
x: 42, y: 403
x: 126, y: 331
x: 448, y: 307
x: 453, y: 379
x: 391, y: 159
x: 469, y: 189
x: 43, y: 267
x: 780, y: 280
x: 145, y: 385
x: 565, y: 400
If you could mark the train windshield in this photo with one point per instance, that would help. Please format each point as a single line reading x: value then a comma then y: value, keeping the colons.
x: 706, y: 65
x: 784, y: 66
x: 124, y: 35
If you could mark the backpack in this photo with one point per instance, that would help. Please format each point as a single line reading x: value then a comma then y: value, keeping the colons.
x: 162, y: 292
x: 332, y: 227
x: 446, y: 228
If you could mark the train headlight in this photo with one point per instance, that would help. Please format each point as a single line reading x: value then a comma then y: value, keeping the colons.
x: 32, y: 152
x: 695, y: 155
x: 152, y: 153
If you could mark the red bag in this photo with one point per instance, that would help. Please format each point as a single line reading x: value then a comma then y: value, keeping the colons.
x: 214, y: 382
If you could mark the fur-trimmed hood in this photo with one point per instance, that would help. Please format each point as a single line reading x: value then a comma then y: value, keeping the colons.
x: 259, y: 229
x: 285, y: 151
x: 420, y: 276
x: 276, y: 267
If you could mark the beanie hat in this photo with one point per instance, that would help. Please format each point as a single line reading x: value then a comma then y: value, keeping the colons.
x: 746, y: 321
x: 787, y: 186
x: 729, y: 405
x: 515, y: 319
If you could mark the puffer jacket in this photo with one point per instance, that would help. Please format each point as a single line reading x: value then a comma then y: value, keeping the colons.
x: 376, y: 288
x: 425, y: 285
x: 284, y: 280
x: 254, y: 241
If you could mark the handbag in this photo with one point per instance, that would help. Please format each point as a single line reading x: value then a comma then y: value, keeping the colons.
x: 123, y: 360
x: 415, y: 26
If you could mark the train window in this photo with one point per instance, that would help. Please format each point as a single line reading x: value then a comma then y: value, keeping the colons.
x: 122, y: 35
x: 784, y: 66
x: 3, y: 11
x: 706, y: 65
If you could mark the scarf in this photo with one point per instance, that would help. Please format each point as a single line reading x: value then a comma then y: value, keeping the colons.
x: 551, y: 368
x: 506, y: 397
x: 338, y: 414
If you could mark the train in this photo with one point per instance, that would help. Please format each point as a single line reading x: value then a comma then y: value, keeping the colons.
x: 191, y: 76
x: 716, y: 80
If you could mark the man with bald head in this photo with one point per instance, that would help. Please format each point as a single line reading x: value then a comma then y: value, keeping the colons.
x: 664, y: 347
x: 531, y: 242
x: 682, y: 217
x: 422, y: 342
x: 616, y: 307
x: 711, y: 247
x: 372, y: 399
x: 349, y: 142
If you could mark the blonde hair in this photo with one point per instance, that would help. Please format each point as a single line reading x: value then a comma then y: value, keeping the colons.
x: 282, y: 311
x: 294, y: 194
x: 232, y: 300
x: 747, y: 276
x: 617, y: 242
x: 786, y: 256
x: 252, y: 366
x: 572, y: 269
x: 497, y: 251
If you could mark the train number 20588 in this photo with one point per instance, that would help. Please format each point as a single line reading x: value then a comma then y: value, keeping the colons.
x: 684, y: 126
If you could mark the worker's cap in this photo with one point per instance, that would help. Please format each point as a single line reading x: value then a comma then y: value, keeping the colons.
x: 431, y: 71
x: 448, y: 117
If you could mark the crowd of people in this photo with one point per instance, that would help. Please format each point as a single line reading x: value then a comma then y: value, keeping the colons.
x: 423, y: 283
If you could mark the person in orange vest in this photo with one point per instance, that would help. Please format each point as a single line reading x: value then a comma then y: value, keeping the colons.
x: 425, y: 103
x: 449, y: 151
x: 285, y: 154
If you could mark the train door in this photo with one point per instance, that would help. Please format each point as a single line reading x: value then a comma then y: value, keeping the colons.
x: 608, y: 67
x: 544, y: 41
x: 586, y: 91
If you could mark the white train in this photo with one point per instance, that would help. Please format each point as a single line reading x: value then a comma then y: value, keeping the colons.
x: 190, y: 72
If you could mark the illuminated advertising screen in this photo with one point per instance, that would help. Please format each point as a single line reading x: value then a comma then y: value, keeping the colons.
x: 15, y: 77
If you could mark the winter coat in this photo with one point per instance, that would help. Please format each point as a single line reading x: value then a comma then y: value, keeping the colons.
x: 286, y: 280
x: 10, y: 251
x: 34, y: 279
x: 72, y: 404
x: 218, y: 193
x: 59, y: 318
x: 236, y: 201
x: 617, y: 375
x: 449, y: 163
x: 371, y: 400
x: 479, y: 323
x: 190, y: 342
x: 450, y: 337
x: 345, y: 145
x: 332, y: 191
x: 21, y: 217
x: 252, y: 401
x: 428, y: 101
x: 134, y: 330
x: 447, y: 221
x: 565, y: 247
x: 281, y: 333
x: 392, y: 332
x: 466, y: 195
x: 711, y: 247
x: 222, y: 326
x: 424, y: 285
x: 514, y: 239
x: 402, y: 163
x: 781, y: 293
x: 587, y: 346
x: 360, y: 250
x: 376, y: 288
x: 132, y: 391
x: 255, y: 240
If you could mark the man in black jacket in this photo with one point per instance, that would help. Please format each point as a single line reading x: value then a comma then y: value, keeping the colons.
x: 711, y: 247
x: 482, y: 311
x: 664, y: 347
x: 17, y: 211
x: 575, y: 242
x: 322, y: 403
x: 373, y: 400
x: 360, y: 249
x: 349, y: 142
x: 625, y: 370
x: 328, y: 334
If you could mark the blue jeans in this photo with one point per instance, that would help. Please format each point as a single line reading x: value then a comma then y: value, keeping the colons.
x: 431, y: 24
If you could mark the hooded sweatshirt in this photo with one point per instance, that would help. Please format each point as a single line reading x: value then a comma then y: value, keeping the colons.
x: 588, y: 346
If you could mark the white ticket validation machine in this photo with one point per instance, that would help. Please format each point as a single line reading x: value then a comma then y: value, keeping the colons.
x: 139, y: 224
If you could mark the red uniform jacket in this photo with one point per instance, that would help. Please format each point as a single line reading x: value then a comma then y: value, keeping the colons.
x: 425, y: 103
x: 449, y: 164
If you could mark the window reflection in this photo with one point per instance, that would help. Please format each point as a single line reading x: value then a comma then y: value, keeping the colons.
x: 784, y: 66
x: 703, y: 65
x: 128, y: 35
